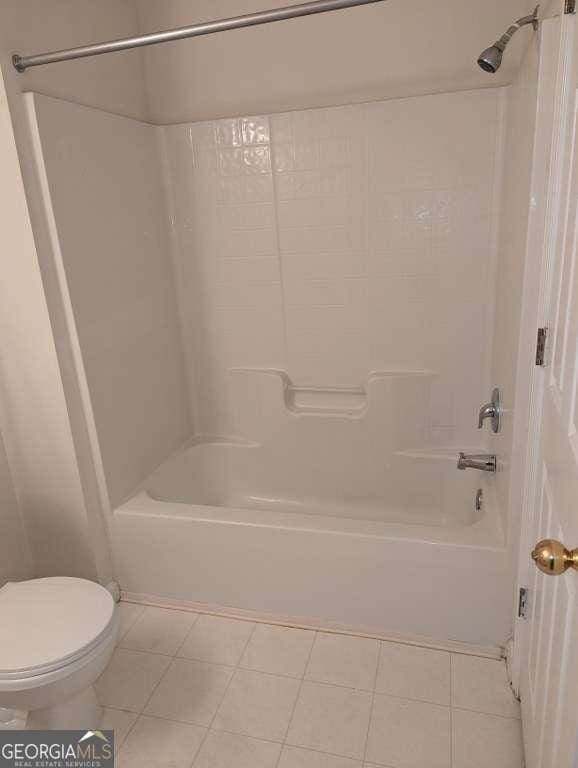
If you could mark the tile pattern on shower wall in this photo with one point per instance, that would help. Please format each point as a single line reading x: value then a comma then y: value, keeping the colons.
x: 320, y: 166
x: 335, y: 242
x: 227, y: 254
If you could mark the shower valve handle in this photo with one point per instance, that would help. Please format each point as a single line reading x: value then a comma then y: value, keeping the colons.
x: 493, y: 411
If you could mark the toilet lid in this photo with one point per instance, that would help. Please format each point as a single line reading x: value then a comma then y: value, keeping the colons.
x: 47, y: 623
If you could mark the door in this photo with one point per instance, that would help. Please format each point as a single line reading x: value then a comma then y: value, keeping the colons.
x: 546, y: 642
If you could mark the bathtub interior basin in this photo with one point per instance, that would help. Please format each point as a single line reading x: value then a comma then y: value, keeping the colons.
x: 413, y: 488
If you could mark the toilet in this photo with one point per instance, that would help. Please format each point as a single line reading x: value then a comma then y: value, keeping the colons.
x: 56, y: 637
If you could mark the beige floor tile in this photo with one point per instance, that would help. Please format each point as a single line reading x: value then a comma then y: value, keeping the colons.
x: 118, y: 721
x: 280, y: 650
x: 217, y: 639
x: 409, y: 734
x: 414, y: 673
x: 130, y: 678
x: 481, y: 740
x: 128, y: 613
x: 159, y: 630
x: 481, y: 685
x: 229, y: 750
x: 154, y: 743
x: 257, y: 705
x: 331, y: 719
x: 190, y: 692
x: 343, y: 660
x: 296, y: 757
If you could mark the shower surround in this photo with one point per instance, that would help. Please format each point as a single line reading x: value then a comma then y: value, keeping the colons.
x: 284, y: 331
x: 333, y: 243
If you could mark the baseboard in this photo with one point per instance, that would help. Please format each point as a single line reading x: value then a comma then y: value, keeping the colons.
x: 322, y: 625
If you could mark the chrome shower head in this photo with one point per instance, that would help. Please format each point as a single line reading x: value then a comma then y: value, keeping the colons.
x: 491, y: 59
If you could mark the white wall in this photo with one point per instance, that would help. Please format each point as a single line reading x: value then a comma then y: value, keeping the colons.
x: 114, y: 82
x: 395, y: 48
x: 14, y: 555
x: 552, y: 8
x: 45, y: 433
x: 35, y: 417
x: 333, y: 243
x: 105, y: 197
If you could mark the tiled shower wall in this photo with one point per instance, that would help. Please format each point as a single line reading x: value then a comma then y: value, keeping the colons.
x: 335, y: 242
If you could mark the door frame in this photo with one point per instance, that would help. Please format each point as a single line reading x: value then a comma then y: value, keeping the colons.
x: 544, y: 220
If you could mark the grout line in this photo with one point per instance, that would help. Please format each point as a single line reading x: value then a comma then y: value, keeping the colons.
x: 280, y: 255
x: 118, y: 747
x: 119, y: 709
x: 121, y: 647
x: 193, y: 625
x: 152, y: 693
x: 377, y: 665
x: 487, y: 714
x: 299, y: 689
x: 132, y: 623
x: 451, y: 711
x: 221, y: 700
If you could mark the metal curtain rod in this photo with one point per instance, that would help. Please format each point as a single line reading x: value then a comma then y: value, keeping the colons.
x: 22, y: 63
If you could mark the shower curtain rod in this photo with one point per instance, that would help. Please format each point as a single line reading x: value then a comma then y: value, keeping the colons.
x: 22, y: 63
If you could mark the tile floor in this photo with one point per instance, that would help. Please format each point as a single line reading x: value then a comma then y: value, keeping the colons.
x: 193, y: 691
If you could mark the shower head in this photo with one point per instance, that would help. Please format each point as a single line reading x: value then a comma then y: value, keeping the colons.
x: 491, y: 59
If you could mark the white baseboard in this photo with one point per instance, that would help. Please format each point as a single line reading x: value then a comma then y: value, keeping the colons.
x: 322, y: 625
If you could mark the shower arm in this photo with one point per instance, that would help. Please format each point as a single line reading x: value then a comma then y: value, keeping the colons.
x: 511, y: 31
x: 22, y: 63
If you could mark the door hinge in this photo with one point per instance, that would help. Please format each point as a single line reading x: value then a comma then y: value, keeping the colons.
x: 523, y: 603
x: 570, y: 6
x: 541, y: 346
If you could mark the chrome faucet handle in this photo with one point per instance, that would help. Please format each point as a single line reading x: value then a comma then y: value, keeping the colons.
x: 487, y: 411
x: 491, y: 411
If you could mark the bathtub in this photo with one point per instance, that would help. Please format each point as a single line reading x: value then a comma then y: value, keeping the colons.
x: 202, y: 529
x: 321, y: 507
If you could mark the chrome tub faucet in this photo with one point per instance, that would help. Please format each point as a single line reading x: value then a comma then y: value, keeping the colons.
x: 483, y: 461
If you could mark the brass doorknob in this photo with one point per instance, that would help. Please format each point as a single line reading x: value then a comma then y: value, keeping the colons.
x: 553, y: 558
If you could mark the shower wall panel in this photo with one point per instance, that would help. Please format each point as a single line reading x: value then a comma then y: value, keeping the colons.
x: 105, y: 200
x: 513, y: 248
x: 335, y: 242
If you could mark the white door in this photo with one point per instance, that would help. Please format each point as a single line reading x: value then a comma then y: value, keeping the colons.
x: 547, y: 639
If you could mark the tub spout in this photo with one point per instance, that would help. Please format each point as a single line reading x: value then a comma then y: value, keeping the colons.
x: 484, y: 462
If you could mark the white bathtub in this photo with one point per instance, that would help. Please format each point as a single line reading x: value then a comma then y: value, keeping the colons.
x: 228, y: 523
